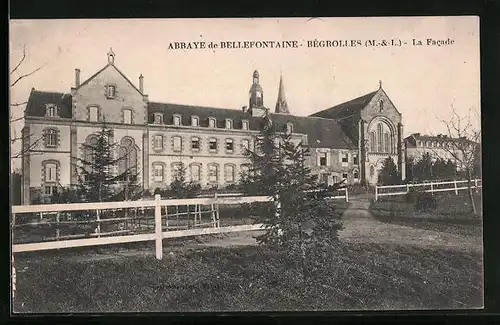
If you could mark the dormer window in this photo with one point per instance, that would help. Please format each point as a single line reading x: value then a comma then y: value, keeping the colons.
x: 158, y: 118
x: 51, y: 110
x: 229, y: 123
x: 289, y: 128
x: 110, y: 91
x: 177, y: 120
x: 244, y: 125
x: 211, y: 122
x: 195, y: 121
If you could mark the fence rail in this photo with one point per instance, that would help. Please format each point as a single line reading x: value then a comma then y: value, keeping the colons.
x: 430, y: 187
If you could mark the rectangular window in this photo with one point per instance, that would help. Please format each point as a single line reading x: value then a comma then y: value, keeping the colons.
x: 195, y: 143
x: 127, y: 116
x: 177, y: 171
x: 322, y: 158
x: 212, y: 144
x: 50, y: 172
x: 229, y: 124
x: 356, y: 174
x: 93, y: 113
x: 229, y: 145
x: 355, y: 159
x: 158, y: 173
x: 345, y: 158
x: 229, y: 171
x: 51, y: 138
x: 111, y: 91
x: 195, y: 121
x: 212, y: 173
x: 177, y: 144
x: 344, y: 175
x: 324, y: 179
x: 195, y: 173
x: 158, y: 142
x: 158, y: 118
x: 245, y: 170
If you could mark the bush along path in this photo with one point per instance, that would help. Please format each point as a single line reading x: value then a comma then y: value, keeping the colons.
x: 361, y: 226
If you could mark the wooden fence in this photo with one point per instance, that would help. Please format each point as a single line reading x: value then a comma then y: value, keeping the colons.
x: 430, y: 187
x: 159, y: 206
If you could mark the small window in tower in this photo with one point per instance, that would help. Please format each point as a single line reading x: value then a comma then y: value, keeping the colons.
x: 51, y: 110
x: 258, y: 94
x: 381, y: 105
x: 177, y: 120
x: 110, y: 91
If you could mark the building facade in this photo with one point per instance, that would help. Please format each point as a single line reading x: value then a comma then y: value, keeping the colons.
x: 348, y: 141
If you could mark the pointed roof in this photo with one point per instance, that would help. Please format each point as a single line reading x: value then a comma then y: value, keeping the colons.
x: 281, y: 104
x: 111, y: 62
x: 348, y: 108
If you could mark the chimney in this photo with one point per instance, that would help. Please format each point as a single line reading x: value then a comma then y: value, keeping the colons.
x: 141, y: 84
x: 77, y: 78
x: 244, y: 108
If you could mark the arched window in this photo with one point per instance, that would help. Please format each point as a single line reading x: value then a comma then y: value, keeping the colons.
x: 177, y: 170
x: 244, y: 170
x: 379, y: 137
x: 213, y: 173
x: 387, y: 143
x: 373, y: 142
x: 372, y: 171
x: 229, y: 172
x: 195, y: 172
x: 127, y: 160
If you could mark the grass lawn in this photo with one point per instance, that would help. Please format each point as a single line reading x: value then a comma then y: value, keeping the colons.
x: 248, y: 278
x: 452, y: 214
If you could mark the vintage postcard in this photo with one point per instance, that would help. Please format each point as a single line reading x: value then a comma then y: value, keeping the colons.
x: 266, y: 164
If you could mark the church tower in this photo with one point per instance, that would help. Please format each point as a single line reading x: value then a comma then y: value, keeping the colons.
x: 281, y: 105
x: 256, y: 94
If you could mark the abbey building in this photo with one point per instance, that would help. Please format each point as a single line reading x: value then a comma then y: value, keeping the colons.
x: 348, y: 141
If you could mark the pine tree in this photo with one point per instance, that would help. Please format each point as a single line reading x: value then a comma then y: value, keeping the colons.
x: 181, y: 188
x: 97, y: 180
x: 301, y: 222
x: 389, y: 174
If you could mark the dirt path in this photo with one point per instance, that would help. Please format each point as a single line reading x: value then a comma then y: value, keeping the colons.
x: 361, y: 226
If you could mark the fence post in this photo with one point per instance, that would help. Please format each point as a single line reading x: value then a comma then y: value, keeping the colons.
x: 158, y: 228
x: 456, y: 190
x: 346, y: 195
x: 57, y: 230
x: 98, y: 229
x: 12, y: 257
x: 407, y: 188
x: 475, y: 185
x: 376, y: 193
x: 432, y: 188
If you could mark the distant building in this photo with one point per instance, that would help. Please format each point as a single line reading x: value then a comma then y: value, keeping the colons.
x: 348, y: 141
x: 438, y: 147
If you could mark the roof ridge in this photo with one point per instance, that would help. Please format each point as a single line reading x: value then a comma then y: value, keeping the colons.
x: 196, y: 106
x: 351, y: 100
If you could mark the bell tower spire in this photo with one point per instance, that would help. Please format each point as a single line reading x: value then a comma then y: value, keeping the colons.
x: 281, y: 104
x: 256, y: 94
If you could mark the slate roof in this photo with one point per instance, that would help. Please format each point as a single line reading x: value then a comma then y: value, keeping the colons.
x: 352, y: 107
x: 411, y: 140
x: 38, y: 99
x: 322, y: 133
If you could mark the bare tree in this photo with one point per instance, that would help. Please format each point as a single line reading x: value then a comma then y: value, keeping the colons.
x: 464, y: 145
x: 15, y: 105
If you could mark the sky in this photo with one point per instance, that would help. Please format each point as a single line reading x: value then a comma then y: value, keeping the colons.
x: 423, y: 82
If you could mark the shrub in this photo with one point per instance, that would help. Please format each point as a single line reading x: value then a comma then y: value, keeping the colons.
x: 425, y: 202
x: 412, y: 195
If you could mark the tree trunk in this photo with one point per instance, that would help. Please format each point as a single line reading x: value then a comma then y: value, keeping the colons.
x: 469, y: 189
